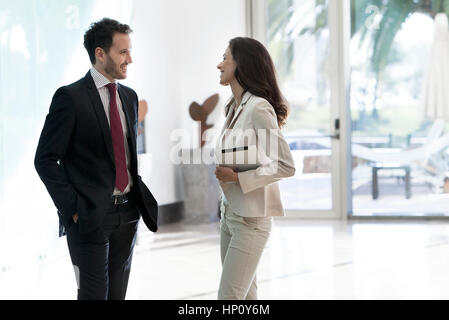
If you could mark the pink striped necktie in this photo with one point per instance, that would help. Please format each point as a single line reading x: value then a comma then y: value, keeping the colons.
x: 118, y: 141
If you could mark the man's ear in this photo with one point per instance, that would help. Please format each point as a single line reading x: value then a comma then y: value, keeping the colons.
x: 100, y: 54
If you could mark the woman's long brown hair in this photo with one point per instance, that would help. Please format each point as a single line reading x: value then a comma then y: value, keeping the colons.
x: 255, y: 72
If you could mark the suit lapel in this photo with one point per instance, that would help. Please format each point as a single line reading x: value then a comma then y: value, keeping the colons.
x: 237, y: 114
x: 100, y: 113
x: 231, y: 118
x: 130, y: 118
x: 228, y: 119
x: 239, y: 110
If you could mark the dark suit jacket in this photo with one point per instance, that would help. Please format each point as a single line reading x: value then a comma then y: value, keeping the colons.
x: 75, y: 157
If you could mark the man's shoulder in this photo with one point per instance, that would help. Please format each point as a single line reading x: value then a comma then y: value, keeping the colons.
x: 128, y: 91
x: 81, y: 83
x: 73, y: 87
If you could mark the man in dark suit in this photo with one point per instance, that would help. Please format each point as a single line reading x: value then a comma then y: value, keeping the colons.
x: 87, y: 159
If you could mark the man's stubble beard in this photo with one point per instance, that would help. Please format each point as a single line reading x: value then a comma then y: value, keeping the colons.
x: 110, y: 68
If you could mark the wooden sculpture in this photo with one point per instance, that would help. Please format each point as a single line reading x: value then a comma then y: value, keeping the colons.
x: 201, y: 112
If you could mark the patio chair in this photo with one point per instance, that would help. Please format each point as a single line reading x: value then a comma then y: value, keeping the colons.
x: 434, y: 143
x: 402, y: 159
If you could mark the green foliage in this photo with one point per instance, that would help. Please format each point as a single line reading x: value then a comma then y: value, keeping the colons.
x: 398, y: 121
x: 359, y: 13
x: 282, y: 33
x: 279, y: 14
x: 313, y: 118
x: 393, y: 14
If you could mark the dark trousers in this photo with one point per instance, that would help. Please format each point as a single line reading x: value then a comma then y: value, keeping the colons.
x: 102, y: 258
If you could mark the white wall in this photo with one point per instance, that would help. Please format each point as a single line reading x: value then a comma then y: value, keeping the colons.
x: 177, y: 45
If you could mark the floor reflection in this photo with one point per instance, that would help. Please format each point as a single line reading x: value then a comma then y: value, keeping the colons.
x: 304, y: 259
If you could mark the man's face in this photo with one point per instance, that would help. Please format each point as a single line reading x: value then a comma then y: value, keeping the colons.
x: 118, y: 57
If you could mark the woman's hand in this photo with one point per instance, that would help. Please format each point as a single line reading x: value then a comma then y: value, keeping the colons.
x: 225, y: 174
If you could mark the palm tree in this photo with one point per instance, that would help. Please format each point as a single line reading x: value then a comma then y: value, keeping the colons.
x: 393, y: 14
x: 282, y: 33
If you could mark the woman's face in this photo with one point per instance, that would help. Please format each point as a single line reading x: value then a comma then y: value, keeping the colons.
x: 227, y: 68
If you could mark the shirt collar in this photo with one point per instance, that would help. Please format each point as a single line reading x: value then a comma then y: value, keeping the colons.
x: 99, y: 79
x: 246, y: 97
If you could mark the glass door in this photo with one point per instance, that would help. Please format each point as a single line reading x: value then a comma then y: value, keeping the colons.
x: 398, y: 108
x: 299, y: 37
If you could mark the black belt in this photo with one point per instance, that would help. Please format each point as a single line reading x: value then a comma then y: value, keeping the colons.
x: 120, y: 199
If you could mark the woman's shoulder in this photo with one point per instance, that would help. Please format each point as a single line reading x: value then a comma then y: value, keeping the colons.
x: 258, y: 105
x: 256, y: 100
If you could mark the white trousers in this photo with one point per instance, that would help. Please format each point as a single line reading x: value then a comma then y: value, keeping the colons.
x: 242, y: 241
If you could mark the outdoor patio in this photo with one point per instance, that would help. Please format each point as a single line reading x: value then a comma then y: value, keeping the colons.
x: 313, y: 192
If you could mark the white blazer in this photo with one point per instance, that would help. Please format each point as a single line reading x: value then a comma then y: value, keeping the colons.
x: 257, y: 192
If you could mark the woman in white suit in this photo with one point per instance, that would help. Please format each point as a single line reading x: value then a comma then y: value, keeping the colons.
x: 250, y: 199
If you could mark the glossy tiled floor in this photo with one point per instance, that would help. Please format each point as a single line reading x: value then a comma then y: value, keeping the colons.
x: 304, y: 259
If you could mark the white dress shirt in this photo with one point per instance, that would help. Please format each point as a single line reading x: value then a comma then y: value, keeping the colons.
x: 100, y: 82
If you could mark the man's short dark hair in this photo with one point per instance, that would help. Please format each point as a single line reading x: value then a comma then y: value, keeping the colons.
x: 100, y: 35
